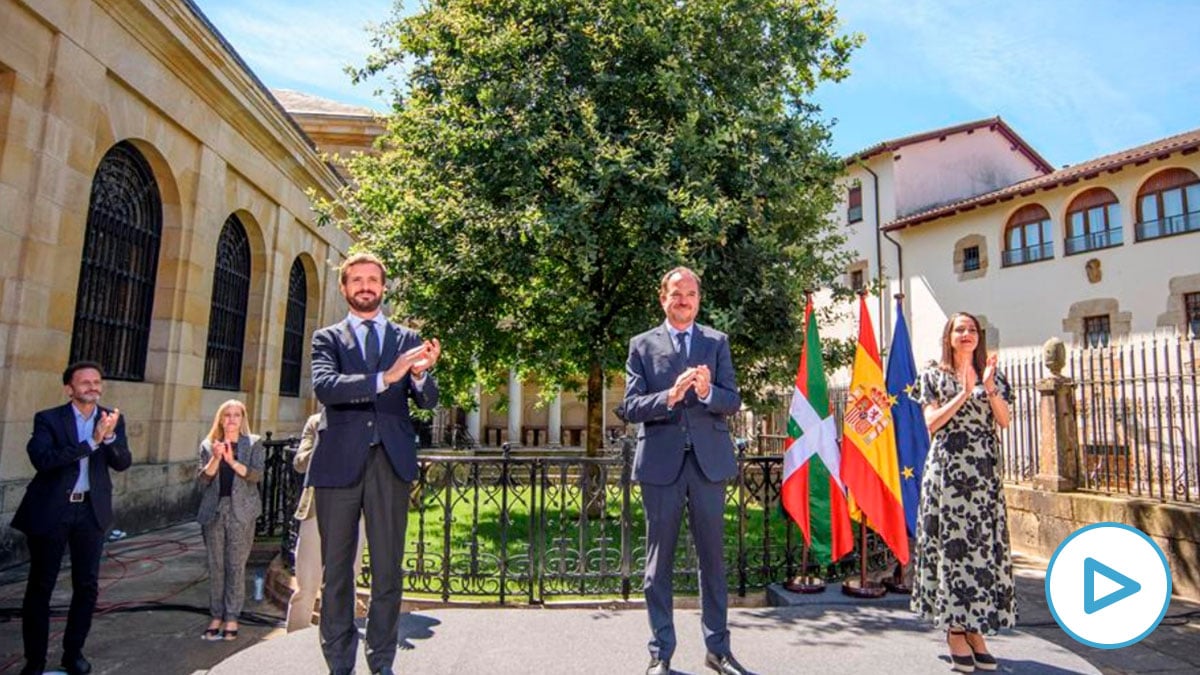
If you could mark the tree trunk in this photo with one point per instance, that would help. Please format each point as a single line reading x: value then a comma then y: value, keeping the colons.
x: 595, y: 413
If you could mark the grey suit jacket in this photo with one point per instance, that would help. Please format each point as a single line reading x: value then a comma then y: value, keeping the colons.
x: 650, y: 371
x: 247, y: 505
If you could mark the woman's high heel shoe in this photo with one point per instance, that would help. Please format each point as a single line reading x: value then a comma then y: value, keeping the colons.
x: 964, y: 663
x: 983, y: 660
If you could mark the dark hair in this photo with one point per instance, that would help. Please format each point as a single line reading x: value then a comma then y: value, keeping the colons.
x: 979, y: 358
x: 81, y: 365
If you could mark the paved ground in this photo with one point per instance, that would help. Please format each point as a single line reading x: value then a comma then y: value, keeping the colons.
x: 155, y: 594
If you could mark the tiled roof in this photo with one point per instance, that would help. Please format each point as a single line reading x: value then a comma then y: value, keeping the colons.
x: 993, y: 123
x: 300, y: 102
x: 1186, y: 143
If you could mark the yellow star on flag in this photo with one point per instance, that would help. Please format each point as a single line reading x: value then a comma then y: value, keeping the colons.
x: 907, y: 472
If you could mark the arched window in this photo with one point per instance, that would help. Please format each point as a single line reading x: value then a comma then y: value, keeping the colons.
x: 1169, y: 203
x: 1028, y: 236
x: 227, y: 318
x: 115, y: 298
x: 1093, y: 221
x: 293, y: 331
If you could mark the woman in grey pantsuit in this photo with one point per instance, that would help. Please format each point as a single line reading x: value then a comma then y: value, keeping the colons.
x: 231, y: 466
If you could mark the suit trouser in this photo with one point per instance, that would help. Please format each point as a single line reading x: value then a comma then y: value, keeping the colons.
x: 309, y: 570
x: 704, y: 502
x: 79, y: 529
x: 381, y: 498
x: 228, y: 542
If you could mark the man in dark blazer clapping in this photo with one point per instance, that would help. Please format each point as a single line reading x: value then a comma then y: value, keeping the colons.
x: 69, y: 501
x: 680, y: 386
x: 365, y: 369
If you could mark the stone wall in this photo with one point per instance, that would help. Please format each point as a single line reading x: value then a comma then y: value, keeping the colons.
x: 1039, y: 521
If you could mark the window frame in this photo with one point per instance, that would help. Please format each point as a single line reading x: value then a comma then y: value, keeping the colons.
x: 228, y: 308
x: 1028, y: 253
x: 1188, y: 217
x: 1082, y: 234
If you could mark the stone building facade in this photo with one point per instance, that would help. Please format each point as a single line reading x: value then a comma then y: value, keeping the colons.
x: 156, y: 219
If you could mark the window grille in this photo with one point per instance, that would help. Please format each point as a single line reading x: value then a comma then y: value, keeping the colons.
x: 293, y: 331
x: 227, y: 317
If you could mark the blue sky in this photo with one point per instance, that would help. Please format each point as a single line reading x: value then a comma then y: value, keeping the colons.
x: 1077, y: 79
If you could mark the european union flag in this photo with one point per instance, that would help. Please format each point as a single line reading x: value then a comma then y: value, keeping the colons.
x: 912, y: 436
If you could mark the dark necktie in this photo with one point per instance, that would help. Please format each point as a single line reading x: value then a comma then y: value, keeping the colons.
x: 681, y: 338
x: 372, y: 346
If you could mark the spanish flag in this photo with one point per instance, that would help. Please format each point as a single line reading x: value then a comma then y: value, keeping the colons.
x: 869, y: 465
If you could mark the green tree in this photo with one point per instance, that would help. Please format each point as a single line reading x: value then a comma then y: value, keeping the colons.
x: 546, y: 161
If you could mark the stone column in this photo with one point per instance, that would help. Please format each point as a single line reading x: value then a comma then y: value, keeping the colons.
x: 555, y: 422
x: 515, y: 405
x: 1058, y: 446
x: 474, y: 414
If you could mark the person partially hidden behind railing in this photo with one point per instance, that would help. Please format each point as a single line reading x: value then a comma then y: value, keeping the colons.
x: 308, y: 543
x: 69, y: 500
x: 231, y: 467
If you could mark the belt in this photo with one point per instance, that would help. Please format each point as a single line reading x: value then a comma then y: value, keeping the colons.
x: 77, y: 497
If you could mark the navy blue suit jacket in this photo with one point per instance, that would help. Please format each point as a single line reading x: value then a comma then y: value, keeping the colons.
x: 651, y: 369
x: 353, y: 410
x: 55, y: 453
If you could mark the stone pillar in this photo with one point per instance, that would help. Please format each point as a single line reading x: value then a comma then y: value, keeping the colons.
x: 555, y: 422
x: 1058, y: 446
x: 515, y: 405
x: 474, y: 414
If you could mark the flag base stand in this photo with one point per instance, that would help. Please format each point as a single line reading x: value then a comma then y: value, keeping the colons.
x: 897, y: 587
x: 805, y: 584
x: 860, y: 588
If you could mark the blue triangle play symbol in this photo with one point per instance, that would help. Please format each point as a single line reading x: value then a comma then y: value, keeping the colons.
x: 1092, y: 604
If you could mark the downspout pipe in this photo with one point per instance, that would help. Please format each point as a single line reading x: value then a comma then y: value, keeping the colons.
x: 878, y: 249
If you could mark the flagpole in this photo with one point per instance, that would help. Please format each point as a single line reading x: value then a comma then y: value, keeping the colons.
x: 896, y: 584
x: 863, y: 587
x: 804, y: 582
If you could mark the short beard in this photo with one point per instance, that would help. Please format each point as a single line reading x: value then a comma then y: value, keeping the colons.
x: 367, y: 306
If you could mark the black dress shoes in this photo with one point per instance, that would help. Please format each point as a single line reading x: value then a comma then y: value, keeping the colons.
x: 33, y: 668
x: 76, y: 665
x: 659, y: 667
x: 724, y: 664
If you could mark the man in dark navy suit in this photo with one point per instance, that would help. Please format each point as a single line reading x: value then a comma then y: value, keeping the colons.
x: 680, y: 386
x: 365, y: 369
x: 69, y: 502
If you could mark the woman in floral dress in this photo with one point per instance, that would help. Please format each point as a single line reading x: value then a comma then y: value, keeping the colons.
x: 963, y: 579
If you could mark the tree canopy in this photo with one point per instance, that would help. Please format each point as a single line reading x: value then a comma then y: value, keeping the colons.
x: 546, y: 161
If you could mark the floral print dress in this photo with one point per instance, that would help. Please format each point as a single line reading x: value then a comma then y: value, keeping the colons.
x: 963, y: 574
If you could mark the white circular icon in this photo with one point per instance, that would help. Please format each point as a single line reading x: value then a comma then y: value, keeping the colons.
x: 1108, y: 585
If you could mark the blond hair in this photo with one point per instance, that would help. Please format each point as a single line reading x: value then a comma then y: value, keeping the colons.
x: 216, y: 433
x: 359, y: 259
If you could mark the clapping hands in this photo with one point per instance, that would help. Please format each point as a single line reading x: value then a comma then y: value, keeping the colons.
x: 698, y: 378
x: 106, y: 426
x: 417, y: 360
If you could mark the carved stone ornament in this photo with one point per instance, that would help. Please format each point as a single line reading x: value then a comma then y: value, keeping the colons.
x: 1054, y: 355
x: 1093, y: 270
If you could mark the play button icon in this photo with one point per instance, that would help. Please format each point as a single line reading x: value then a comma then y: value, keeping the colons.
x: 1108, y: 585
x: 1092, y: 604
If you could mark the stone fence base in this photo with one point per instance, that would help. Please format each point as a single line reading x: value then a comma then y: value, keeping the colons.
x: 1040, y: 521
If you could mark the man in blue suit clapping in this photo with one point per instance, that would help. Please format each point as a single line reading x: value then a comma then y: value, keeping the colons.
x: 680, y: 386
x: 365, y: 369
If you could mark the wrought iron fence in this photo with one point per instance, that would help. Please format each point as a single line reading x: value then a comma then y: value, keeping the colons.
x: 1019, y: 442
x: 279, y: 491
x: 529, y: 529
x: 1139, y: 424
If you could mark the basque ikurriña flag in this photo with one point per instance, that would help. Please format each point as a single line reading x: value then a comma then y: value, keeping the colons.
x: 812, y: 492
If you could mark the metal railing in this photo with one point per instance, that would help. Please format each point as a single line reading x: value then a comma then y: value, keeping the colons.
x: 1139, y: 424
x: 1165, y: 227
x: 1019, y: 442
x: 529, y: 529
x: 1020, y: 256
x: 1093, y: 241
x: 279, y: 490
